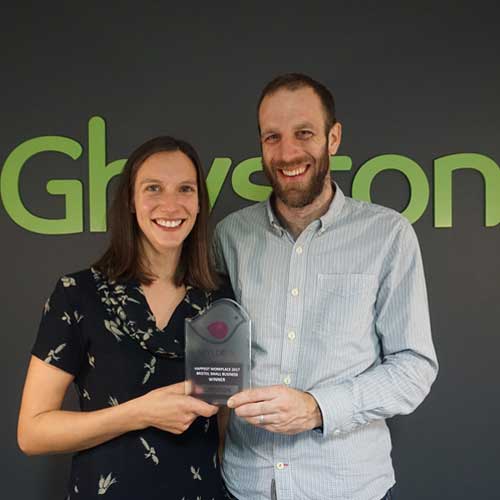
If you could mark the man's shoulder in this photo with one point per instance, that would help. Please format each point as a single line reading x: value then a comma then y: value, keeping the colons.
x: 375, y: 214
x: 254, y: 214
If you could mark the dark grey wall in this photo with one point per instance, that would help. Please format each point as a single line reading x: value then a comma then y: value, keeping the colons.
x: 421, y: 82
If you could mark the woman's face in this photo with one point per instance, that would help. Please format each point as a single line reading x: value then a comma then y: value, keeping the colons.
x: 166, y: 200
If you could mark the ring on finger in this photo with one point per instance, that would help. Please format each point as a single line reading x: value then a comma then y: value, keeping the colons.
x: 261, y: 419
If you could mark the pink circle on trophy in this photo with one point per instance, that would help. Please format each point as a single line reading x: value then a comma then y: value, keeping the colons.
x: 218, y: 329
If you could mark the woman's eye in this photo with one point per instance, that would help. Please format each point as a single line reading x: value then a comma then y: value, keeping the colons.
x: 153, y: 188
x: 187, y: 189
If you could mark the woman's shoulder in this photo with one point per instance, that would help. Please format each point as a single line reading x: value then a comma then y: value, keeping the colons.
x: 77, y: 279
x: 203, y: 297
x: 75, y: 285
x: 224, y: 290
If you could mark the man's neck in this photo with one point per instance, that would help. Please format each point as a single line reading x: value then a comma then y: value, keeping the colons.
x: 297, y: 219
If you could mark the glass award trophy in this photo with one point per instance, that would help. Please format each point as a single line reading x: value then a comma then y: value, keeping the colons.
x: 218, y: 347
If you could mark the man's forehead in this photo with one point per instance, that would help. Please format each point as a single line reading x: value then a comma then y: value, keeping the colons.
x: 284, y: 105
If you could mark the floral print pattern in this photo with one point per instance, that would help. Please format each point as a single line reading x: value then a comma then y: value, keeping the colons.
x: 105, y: 334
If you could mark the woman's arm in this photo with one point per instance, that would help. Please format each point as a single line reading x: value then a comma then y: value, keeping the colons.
x: 44, y: 428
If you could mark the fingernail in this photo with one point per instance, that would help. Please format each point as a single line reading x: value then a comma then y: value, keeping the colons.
x: 230, y: 403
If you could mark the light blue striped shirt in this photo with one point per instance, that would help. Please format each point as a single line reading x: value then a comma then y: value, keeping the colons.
x: 340, y: 312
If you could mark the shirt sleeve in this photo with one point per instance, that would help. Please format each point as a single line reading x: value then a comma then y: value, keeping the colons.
x: 220, y: 261
x: 408, y: 367
x: 59, y: 341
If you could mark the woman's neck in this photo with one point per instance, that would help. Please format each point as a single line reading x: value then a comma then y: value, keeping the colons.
x: 162, y: 265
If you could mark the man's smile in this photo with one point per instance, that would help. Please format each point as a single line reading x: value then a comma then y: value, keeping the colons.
x: 295, y: 172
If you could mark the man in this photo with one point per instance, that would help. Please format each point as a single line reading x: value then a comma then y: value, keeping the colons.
x: 336, y: 292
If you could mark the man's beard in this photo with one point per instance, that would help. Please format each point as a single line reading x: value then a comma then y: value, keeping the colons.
x: 302, y: 195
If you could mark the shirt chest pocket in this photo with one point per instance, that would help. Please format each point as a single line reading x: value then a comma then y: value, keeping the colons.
x: 344, y: 302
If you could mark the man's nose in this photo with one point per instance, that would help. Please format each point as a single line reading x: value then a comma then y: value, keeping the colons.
x: 289, y: 150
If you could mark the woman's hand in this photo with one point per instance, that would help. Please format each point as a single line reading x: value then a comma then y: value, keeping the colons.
x: 169, y: 409
x: 45, y: 428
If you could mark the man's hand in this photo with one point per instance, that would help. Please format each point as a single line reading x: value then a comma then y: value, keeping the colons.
x: 277, y: 409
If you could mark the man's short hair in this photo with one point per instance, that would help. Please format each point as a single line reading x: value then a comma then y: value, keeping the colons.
x: 295, y: 81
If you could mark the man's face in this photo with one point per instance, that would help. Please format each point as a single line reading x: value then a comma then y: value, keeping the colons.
x: 295, y: 147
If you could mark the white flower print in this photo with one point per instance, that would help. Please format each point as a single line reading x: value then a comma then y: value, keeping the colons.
x: 207, y: 425
x: 52, y: 354
x: 196, y: 473
x: 46, y: 307
x: 78, y: 316
x: 150, y: 369
x: 112, y: 401
x: 214, y: 459
x: 66, y: 317
x: 86, y: 394
x: 91, y: 359
x: 151, y: 452
x: 146, y: 334
x: 105, y: 483
x: 76, y: 489
x: 112, y: 327
x: 121, y: 313
x: 109, y: 301
x: 170, y: 355
x: 66, y: 281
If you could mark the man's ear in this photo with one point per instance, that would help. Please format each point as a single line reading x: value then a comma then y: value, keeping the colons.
x: 334, y: 138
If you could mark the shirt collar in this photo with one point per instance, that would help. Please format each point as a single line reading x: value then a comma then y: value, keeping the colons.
x: 336, y: 205
x: 326, y: 220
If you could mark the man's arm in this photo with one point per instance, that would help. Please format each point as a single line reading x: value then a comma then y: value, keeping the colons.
x: 395, y: 386
x: 409, y: 365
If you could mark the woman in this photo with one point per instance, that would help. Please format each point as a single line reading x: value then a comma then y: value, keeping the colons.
x: 117, y: 331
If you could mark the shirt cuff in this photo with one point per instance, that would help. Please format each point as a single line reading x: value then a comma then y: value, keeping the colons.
x: 337, y: 408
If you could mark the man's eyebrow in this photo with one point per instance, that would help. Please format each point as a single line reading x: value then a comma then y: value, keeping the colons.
x: 302, y: 125
x: 267, y: 131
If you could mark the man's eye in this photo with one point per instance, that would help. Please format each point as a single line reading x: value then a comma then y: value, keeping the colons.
x: 271, y: 138
x: 304, y: 134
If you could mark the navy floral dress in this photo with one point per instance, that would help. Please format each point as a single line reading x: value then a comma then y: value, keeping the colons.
x: 105, y: 334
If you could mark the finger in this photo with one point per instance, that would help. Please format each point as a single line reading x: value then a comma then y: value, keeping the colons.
x: 179, y: 388
x: 200, y: 408
x: 264, y: 421
x: 253, y: 396
x: 256, y: 409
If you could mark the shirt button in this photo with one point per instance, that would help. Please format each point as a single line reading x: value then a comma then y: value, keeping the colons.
x: 291, y: 335
x: 295, y: 292
x: 299, y: 250
x: 287, y: 380
x: 280, y: 465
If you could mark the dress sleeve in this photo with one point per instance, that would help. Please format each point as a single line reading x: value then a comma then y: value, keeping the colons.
x: 59, y: 340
